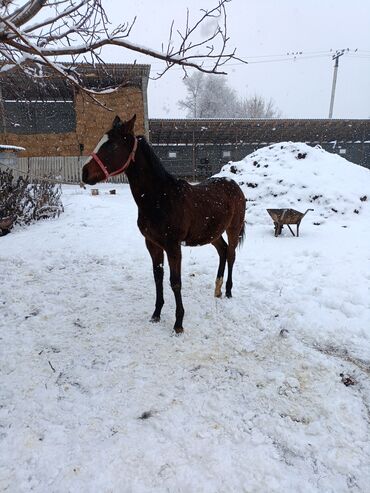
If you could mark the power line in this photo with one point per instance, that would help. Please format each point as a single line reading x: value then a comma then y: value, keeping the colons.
x: 288, y: 57
x: 288, y: 53
x: 366, y: 57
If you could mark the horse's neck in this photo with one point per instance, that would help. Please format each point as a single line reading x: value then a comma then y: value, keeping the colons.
x: 146, y: 179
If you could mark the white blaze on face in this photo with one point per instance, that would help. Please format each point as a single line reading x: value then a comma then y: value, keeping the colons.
x: 102, y: 141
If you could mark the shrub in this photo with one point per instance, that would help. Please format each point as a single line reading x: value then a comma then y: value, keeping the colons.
x: 23, y: 201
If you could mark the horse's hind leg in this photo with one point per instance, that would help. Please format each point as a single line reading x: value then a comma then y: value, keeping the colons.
x: 157, y: 258
x: 174, y: 261
x: 233, y: 239
x: 221, y: 247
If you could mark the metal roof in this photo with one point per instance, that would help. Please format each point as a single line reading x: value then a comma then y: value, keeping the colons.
x: 111, y: 74
x: 244, y: 131
x: 6, y: 148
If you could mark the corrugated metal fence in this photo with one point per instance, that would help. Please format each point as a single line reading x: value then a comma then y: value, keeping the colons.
x: 62, y: 169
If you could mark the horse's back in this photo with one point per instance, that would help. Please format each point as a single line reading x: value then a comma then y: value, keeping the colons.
x: 222, y: 192
x: 213, y: 206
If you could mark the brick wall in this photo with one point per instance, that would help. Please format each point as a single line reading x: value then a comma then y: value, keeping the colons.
x: 91, y: 123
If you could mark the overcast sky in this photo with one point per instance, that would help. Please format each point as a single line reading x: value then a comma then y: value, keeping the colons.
x: 260, y: 30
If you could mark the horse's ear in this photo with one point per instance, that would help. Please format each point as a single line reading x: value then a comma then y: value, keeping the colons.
x: 117, y: 122
x: 131, y: 124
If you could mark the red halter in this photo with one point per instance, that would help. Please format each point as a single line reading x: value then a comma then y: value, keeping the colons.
x: 130, y: 158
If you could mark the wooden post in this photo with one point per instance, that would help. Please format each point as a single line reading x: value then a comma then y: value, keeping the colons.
x: 194, y: 156
x: 2, y: 111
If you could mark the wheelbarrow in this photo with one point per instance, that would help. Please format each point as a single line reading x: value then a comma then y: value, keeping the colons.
x: 288, y: 217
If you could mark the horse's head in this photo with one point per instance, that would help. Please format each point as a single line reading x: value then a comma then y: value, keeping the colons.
x: 113, y: 154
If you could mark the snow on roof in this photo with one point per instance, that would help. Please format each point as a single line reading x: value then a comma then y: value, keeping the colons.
x: 295, y: 175
x: 5, y: 147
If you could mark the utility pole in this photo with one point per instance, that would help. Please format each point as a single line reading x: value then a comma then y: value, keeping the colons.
x: 338, y: 54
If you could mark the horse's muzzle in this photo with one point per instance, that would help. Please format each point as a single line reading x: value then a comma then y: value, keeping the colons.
x: 85, y: 176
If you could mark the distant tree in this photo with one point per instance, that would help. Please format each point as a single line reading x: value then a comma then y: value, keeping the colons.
x: 212, y: 97
x: 217, y: 99
x: 258, y: 107
x: 194, y: 86
x: 208, y: 97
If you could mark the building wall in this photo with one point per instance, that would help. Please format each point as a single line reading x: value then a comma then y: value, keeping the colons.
x: 201, y: 160
x: 206, y: 160
x: 358, y: 153
x: 7, y: 159
x: 92, y: 121
x: 182, y: 164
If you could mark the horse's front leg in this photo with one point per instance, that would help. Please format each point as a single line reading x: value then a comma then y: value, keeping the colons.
x: 174, y: 261
x: 156, y: 253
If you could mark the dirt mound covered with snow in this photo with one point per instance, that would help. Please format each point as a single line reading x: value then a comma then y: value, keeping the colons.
x: 295, y: 175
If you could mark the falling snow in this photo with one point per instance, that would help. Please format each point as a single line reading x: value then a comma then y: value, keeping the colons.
x: 252, y: 397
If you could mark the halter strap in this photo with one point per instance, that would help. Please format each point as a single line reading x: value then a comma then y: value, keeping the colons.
x: 130, y: 158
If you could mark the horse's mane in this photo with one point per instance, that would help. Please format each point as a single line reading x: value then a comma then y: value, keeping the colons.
x: 155, y: 161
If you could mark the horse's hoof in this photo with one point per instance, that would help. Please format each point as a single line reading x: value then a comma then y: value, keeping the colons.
x: 178, y: 330
x: 154, y: 320
x: 229, y: 295
x: 218, y: 295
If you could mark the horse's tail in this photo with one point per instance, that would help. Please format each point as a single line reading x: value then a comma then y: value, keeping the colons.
x: 241, y: 235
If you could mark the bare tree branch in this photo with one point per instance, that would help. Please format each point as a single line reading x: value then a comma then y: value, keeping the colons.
x: 54, y: 66
x: 27, y: 12
x: 54, y: 19
x: 46, y: 31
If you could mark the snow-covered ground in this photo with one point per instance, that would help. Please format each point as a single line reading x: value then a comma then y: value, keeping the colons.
x: 95, y: 398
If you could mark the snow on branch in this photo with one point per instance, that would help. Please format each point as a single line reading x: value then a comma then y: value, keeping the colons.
x: 47, y: 32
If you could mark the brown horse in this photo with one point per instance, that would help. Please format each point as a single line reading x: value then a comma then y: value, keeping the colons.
x: 171, y: 212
